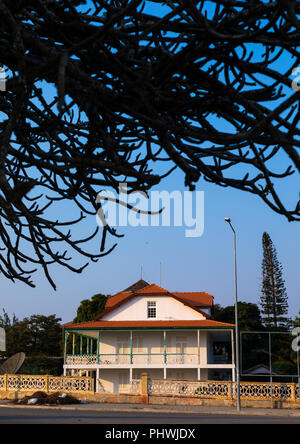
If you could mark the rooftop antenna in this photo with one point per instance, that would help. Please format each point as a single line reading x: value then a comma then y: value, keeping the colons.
x: 141, y: 272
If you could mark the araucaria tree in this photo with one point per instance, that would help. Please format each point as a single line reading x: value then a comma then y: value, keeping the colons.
x: 107, y: 91
x: 274, y: 301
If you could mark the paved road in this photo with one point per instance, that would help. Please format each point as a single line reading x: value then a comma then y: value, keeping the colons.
x: 48, y: 416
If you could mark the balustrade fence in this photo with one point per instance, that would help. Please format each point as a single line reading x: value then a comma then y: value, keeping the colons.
x: 46, y: 383
x: 202, y: 389
x: 225, y: 390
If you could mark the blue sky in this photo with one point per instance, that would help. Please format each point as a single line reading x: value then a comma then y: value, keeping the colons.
x: 188, y: 264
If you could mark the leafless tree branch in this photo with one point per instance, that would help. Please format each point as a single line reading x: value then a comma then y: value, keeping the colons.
x: 204, y: 85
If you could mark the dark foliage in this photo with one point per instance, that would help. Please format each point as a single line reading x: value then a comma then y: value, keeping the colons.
x: 274, y: 300
x: 249, y: 316
x: 40, y: 338
x: 200, y: 86
x: 255, y: 344
x: 90, y: 308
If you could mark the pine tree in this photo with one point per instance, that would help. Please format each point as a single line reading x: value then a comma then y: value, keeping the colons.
x: 274, y: 300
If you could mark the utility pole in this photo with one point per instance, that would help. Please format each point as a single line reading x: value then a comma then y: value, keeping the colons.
x: 237, y: 348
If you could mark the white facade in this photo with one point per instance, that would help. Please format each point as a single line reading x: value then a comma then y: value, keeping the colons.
x: 155, y: 334
x: 167, y: 308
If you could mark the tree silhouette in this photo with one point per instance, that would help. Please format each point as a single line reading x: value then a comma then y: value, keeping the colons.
x: 90, y: 308
x: 274, y: 301
x: 101, y: 92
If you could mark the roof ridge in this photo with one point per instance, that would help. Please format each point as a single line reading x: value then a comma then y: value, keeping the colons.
x: 138, y: 285
x: 143, y: 290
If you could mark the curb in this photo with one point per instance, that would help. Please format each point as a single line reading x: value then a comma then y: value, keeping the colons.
x: 273, y: 413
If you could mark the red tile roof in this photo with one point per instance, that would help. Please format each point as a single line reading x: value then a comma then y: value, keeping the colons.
x: 195, y: 299
x: 116, y: 298
x: 120, y: 297
x: 207, y: 323
x: 150, y: 290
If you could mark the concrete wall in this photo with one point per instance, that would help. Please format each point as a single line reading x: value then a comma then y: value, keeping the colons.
x: 114, y: 381
x: 161, y: 400
x: 155, y: 373
x: 151, y: 342
x: 118, y: 380
x: 188, y: 373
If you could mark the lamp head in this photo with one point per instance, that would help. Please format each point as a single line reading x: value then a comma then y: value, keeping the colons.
x: 227, y: 219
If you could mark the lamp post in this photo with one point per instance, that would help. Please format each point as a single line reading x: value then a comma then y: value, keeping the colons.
x: 237, y: 348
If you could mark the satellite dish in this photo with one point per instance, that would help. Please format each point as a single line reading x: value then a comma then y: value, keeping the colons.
x: 13, y: 364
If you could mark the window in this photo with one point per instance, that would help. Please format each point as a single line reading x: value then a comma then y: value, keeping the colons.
x: 181, y: 345
x: 122, y: 356
x: 151, y: 309
x: 162, y: 344
x: 122, y: 348
x: 137, y: 344
x: 222, y: 351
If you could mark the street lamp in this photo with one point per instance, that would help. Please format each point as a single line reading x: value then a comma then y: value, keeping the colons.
x: 237, y: 351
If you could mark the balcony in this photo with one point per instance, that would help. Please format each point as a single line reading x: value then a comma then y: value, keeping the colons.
x: 106, y: 360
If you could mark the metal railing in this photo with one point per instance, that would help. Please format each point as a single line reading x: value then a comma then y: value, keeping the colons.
x: 175, y: 358
x: 135, y: 358
x: 81, y: 359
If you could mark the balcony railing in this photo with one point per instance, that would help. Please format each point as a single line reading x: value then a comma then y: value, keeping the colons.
x: 81, y: 360
x: 140, y: 359
x: 135, y: 359
x: 182, y: 359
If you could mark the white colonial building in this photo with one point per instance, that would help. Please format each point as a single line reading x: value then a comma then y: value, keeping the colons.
x: 147, y: 329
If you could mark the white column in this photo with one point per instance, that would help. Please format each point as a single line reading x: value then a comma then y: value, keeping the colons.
x: 130, y: 375
x: 203, y: 348
x: 65, y: 346
x: 198, y: 345
x: 165, y: 372
x: 199, y: 360
x: 233, y: 375
x: 165, y: 347
x: 97, y: 379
